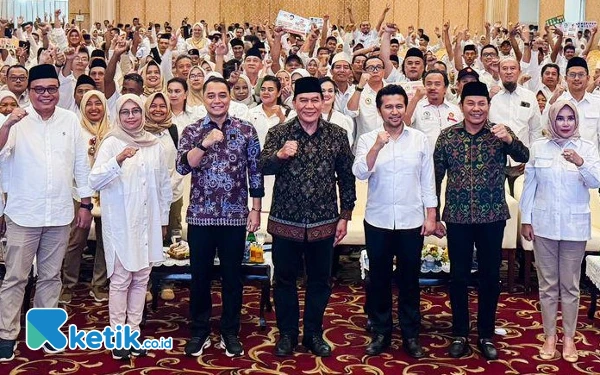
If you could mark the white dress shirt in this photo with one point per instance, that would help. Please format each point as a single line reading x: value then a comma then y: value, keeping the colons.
x: 431, y: 119
x: 136, y: 199
x: 39, y: 162
x: 341, y: 98
x: 187, y: 117
x: 519, y: 111
x: 170, y: 157
x: 262, y: 122
x: 556, y: 198
x: 367, y: 117
x: 401, y: 182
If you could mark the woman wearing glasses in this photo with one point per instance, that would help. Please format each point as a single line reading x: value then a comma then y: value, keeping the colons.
x: 555, y: 215
x: 132, y: 176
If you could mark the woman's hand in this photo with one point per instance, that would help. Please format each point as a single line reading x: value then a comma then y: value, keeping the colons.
x: 572, y: 156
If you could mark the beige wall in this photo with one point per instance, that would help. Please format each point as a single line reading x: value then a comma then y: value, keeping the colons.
x: 75, y: 6
x: 552, y: 8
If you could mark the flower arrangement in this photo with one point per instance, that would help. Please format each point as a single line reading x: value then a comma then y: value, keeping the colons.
x: 434, y: 258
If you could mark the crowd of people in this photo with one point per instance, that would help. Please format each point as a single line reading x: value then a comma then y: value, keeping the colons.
x: 105, y: 124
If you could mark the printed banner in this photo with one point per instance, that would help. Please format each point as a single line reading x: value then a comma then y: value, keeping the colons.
x: 555, y: 20
x: 9, y: 43
x: 292, y: 23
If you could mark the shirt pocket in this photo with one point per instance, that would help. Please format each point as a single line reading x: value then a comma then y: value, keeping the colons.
x: 409, y: 162
x: 523, y: 113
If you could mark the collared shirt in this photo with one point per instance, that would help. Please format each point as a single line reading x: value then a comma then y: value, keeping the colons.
x: 187, y: 117
x: 518, y: 110
x: 367, y: 40
x: 219, y: 191
x: 431, y: 119
x: 475, y: 167
x: 589, y: 115
x: 305, y: 202
x: 367, y: 117
x: 170, y: 157
x: 401, y: 182
x: 262, y: 123
x: 556, y: 197
x: 341, y: 98
x: 40, y: 160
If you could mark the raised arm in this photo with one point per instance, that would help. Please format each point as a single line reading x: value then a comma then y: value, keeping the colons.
x: 447, y: 42
x: 382, y: 17
x: 558, y: 45
x: 385, y: 52
x: 590, y: 42
x: 110, y: 87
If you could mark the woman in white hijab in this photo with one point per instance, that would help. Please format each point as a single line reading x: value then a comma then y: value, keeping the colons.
x: 555, y: 215
x: 135, y: 190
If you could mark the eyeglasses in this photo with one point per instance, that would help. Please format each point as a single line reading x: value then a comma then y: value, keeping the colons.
x: 134, y: 112
x: 81, y: 59
x: 489, y: 54
x: 373, y: 69
x: 18, y: 79
x: 41, y: 90
x: 579, y: 75
x: 196, y: 76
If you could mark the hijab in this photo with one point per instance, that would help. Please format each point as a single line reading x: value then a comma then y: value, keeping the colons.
x: 199, y: 43
x: 249, y: 99
x: 194, y: 97
x: 553, y: 113
x: 157, y: 127
x: 137, y: 137
x: 8, y: 94
x: 100, y: 129
x: 161, y: 86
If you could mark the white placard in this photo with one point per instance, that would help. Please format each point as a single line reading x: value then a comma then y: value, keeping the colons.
x: 292, y: 23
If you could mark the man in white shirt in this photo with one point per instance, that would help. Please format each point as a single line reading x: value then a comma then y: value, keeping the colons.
x: 432, y: 112
x: 43, y: 152
x: 516, y: 107
x: 588, y: 105
x: 341, y: 73
x: 16, y: 82
x: 401, y: 203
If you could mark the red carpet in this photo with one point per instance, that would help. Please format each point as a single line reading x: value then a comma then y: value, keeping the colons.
x: 344, y: 321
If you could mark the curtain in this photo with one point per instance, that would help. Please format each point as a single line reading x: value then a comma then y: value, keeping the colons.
x: 101, y: 10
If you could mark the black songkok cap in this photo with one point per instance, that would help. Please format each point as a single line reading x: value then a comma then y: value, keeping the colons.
x: 577, y: 61
x: 41, y: 71
x: 97, y: 53
x: 469, y: 47
x: 307, y: 85
x: 236, y: 42
x: 414, y: 52
x: 97, y: 63
x: 254, y: 51
x: 474, y: 89
x: 84, y: 79
x: 194, y: 52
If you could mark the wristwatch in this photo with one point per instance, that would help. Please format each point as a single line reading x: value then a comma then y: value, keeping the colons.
x: 89, y: 206
x: 199, y: 145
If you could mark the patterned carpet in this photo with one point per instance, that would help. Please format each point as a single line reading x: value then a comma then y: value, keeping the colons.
x: 518, y: 315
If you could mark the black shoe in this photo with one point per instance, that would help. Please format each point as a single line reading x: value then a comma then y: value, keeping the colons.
x: 232, y: 345
x: 487, y: 349
x: 413, y: 348
x: 459, y: 347
x: 7, y: 350
x: 196, y: 346
x: 138, y: 352
x: 120, y: 354
x: 378, y: 344
x: 317, y: 345
x: 285, y: 345
x: 51, y: 349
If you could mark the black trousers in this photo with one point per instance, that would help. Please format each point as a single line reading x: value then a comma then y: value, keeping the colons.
x: 287, y: 256
x: 204, y: 242
x: 382, y: 246
x: 488, y: 240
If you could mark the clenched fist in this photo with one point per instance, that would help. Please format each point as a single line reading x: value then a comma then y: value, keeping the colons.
x: 215, y: 136
x: 500, y: 132
x: 128, y: 152
x: 289, y: 149
x: 382, y: 139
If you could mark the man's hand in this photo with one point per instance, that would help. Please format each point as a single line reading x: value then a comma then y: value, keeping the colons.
x: 215, y: 136
x: 253, y: 222
x: 340, y: 231
x: 221, y: 49
x: 429, y: 227
x: 84, y: 218
x: 527, y: 232
x: 16, y: 116
x: 364, y: 78
x: 382, y: 139
x: 289, y: 150
x: 501, y: 132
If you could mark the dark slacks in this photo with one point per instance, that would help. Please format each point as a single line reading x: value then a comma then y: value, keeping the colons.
x: 204, y: 242
x: 488, y: 240
x: 382, y: 246
x: 287, y: 256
